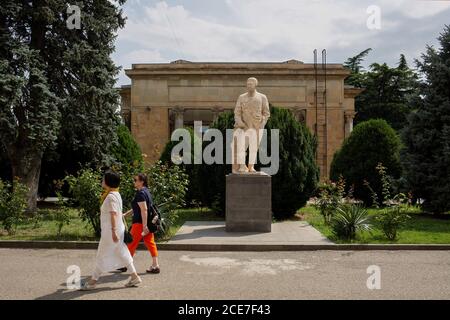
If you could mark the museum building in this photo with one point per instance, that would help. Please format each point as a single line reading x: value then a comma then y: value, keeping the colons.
x: 165, y: 96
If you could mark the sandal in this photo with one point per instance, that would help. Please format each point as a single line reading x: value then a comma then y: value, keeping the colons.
x: 154, y: 270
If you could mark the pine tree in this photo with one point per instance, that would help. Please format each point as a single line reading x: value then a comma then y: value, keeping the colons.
x: 390, y: 93
x: 56, y: 83
x: 354, y: 64
x: 427, y: 136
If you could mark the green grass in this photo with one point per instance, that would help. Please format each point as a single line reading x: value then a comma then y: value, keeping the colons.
x: 47, y: 229
x: 420, y: 229
x: 78, y: 230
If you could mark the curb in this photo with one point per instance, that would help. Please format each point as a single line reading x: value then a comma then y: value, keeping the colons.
x: 24, y: 244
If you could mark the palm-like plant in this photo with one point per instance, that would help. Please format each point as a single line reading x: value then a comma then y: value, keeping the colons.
x: 350, y: 219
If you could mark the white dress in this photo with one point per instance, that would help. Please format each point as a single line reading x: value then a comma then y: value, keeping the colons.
x: 111, y: 255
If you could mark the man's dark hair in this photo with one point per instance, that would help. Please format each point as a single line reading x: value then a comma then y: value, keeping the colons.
x: 142, y: 177
x: 112, y: 179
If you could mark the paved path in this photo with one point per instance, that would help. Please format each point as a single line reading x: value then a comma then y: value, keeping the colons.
x: 41, y: 274
x: 283, y: 233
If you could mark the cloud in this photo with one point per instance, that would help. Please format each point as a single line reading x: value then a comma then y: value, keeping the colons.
x: 268, y: 30
x: 416, y: 8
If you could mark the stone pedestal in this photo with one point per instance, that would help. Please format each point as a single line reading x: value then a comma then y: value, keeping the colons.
x: 248, y: 202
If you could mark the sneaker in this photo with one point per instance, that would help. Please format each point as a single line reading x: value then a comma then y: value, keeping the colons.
x: 88, y: 286
x: 133, y: 282
x: 154, y: 270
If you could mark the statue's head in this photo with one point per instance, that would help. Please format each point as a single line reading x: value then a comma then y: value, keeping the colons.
x: 252, y: 83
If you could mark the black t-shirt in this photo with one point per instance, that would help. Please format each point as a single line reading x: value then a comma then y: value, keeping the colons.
x: 141, y: 196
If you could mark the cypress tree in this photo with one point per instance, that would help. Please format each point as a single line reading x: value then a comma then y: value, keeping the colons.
x: 427, y: 136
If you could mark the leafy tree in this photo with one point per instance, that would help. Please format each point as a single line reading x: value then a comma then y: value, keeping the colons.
x: 371, y: 143
x: 298, y: 173
x: 56, y: 83
x: 427, y: 135
x: 389, y: 93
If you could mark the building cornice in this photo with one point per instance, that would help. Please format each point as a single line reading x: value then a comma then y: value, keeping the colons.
x: 291, y: 67
x: 352, y: 92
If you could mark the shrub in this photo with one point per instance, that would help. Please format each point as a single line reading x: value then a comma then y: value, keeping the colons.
x: 331, y: 196
x: 193, y: 194
x: 348, y: 220
x: 385, y: 199
x: 127, y: 190
x: 61, y: 214
x: 371, y: 142
x: 298, y: 173
x: 126, y: 151
x: 393, y: 218
x: 86, y: 189
x: 13, y: 203
x: 168, y: 185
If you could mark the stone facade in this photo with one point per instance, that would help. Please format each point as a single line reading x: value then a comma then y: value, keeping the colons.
x: 166, y: 96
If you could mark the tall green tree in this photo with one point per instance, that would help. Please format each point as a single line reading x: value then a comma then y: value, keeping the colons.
x: 427, y: 136
x: 390, y: 93
x: 56, y: 82
x: 354, y: 64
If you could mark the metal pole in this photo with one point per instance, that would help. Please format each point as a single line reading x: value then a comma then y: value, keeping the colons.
x: 325, y: 133
x: 315, y: 102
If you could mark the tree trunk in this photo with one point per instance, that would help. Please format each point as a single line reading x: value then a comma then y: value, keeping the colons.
x: 28, y: 169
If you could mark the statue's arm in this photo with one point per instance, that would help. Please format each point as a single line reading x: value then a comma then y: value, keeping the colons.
x: 238, y: 123
x: 265, y: 111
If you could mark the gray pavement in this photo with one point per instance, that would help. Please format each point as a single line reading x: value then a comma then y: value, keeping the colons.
x: 214, y: 233
x: 41, y: 274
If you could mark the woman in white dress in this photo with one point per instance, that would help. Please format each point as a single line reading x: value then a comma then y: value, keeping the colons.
x: 112, y: 251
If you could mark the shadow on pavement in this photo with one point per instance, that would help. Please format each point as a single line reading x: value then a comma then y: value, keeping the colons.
x: 66, y: 294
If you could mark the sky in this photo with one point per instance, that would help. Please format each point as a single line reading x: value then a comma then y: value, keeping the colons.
x: 276, y: 30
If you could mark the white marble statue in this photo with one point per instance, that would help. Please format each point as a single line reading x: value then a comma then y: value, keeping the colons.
x: 250, y: 114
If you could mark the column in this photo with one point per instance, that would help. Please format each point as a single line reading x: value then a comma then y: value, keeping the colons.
x: 299, y: 114
x: 349, y: 116
x: 179, y: 117
x: 216, y: 112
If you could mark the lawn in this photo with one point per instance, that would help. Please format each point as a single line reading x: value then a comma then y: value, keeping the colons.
x: 420, y: 229
x: 46, y: 228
